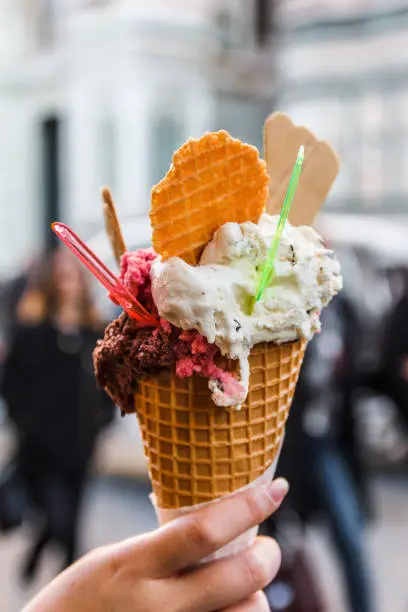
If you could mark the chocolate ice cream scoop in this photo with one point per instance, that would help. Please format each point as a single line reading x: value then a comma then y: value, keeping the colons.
x: 125, y: 354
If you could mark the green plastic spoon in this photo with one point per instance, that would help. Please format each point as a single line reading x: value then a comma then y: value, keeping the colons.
x: 268, y: 267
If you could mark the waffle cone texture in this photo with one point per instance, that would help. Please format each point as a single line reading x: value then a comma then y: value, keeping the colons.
x: 197, y: 451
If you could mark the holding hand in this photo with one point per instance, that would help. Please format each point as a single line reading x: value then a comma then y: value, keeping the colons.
x: 157, y: 571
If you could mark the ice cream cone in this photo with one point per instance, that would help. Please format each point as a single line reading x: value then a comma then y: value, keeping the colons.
x: 208, y: 229
x: 197, y: 451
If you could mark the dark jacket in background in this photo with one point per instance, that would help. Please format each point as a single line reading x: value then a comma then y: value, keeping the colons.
x: 395, y: 348
x: 395, y: 345
x: 51, y: 395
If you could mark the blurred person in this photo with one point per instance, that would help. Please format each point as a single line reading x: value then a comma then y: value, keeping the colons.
x: 161, y: 570
x: 320, y: 455
x: 52, y: 399
x: 392, y: 377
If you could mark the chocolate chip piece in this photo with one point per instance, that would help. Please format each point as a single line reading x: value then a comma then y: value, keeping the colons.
x: 237, y: 325
x: 293, y: 256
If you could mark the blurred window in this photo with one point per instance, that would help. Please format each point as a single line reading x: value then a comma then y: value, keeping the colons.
x: 168, y: 135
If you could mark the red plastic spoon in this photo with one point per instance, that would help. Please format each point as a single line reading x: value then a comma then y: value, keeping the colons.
x: 118, y: 291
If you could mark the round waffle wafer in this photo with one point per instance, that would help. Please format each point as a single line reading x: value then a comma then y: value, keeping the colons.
x: 211, y: 181
x: 196, y: 451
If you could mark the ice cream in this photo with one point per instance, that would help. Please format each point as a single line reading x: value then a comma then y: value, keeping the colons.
x: 128, y: 352
x: 204, y: 309
x: 214, y: 298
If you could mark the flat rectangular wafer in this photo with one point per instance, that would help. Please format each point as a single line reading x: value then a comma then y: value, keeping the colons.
x: 282, y: 140
x: 112, y: 225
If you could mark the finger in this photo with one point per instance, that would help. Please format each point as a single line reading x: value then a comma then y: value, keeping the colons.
x: 185, y: 541
x: 255, y: 603
x: 232, y: 580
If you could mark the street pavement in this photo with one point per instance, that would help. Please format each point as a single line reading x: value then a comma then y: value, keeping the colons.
x: 119, y: 508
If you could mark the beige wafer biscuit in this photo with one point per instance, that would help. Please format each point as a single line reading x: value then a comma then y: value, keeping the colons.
x: 282, y: 140
x: 196, y: 451
x: 112, y: 225
x: 211, y: 181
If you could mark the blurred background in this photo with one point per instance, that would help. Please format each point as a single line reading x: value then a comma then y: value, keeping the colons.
x: 101, y: 92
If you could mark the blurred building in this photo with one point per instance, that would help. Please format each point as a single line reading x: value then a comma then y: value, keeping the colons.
x: 102, y: 92
x: 344, y: 73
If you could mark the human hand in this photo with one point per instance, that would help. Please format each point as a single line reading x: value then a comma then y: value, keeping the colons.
x: 158, y: 570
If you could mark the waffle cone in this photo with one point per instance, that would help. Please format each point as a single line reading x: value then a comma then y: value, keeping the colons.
x: 197, y: 451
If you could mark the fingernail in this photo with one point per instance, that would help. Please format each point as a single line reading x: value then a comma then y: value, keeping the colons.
x: 278, y: 489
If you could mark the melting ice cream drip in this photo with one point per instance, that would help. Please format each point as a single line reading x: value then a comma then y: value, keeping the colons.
x: 213, y: 298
